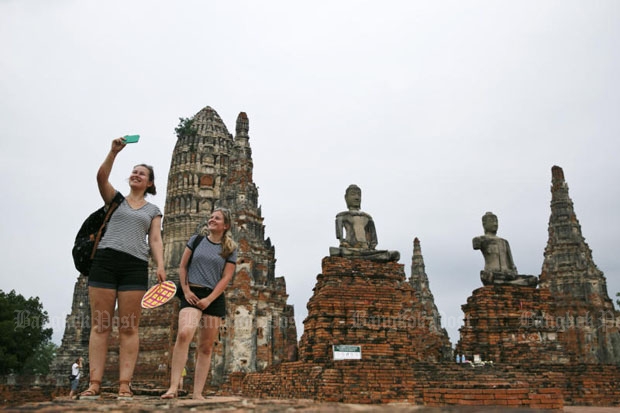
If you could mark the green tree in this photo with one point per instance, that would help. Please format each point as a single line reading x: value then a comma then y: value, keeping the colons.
x: 618, y: 300
x: 21, y: 330
x: 186, y: 128
x: 41, y: 360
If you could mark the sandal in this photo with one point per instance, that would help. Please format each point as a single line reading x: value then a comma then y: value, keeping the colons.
x: 169, y: 395
x: 92, y: 393
x: 124, y: 394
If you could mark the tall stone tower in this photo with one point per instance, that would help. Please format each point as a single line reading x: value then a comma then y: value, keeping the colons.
x: 420, y: 284
x: 584, y: 310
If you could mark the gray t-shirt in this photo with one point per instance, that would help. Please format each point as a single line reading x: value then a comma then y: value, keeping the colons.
x: 128, y: 228
x: 207, y: 264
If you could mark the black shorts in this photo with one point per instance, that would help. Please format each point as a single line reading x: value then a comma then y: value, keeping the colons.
x: 118, y: 271
x: 217, y: 307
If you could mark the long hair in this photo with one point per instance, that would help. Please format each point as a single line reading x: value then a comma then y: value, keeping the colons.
x: 228, y: 244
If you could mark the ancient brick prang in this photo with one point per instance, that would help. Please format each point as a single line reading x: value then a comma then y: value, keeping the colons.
x: 578, y: 287
x: 419, y: 282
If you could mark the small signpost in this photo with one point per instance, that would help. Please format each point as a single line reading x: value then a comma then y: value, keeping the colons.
x: 347, y: 352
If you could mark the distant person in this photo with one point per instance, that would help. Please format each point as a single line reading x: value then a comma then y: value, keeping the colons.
x: 76, y: 372
x: 203, y: 303
x: 118, y: 277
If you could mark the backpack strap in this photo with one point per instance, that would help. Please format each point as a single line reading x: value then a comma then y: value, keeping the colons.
x: 195, y: 243
x: 118, y: 199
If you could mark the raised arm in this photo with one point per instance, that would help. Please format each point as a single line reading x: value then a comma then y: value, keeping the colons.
x: 106, y: 189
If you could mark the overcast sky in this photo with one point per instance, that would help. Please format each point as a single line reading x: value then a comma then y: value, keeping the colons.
x: 438, y: 110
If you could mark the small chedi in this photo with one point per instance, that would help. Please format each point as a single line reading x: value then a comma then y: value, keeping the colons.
x: 499, y: 267
x: 355, y: 229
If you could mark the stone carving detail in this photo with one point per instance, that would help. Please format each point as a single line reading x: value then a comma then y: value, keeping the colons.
x: 499, y: 267
x: 356, y: 232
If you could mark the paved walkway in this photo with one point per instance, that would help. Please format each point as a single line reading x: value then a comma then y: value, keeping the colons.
x: 108, y: 403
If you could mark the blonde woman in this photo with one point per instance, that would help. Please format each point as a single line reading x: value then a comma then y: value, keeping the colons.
x: 203, y: 304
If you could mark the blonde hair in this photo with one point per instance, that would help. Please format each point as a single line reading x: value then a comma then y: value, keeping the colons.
x: 228, y: 244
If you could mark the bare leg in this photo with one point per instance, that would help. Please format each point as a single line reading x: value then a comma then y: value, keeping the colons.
x: 208, y: 332
x: 189, y: 318
x: 102, y: 302
x: 129, y: 312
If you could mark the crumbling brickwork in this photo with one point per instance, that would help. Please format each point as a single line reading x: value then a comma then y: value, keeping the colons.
x: 367, y: 303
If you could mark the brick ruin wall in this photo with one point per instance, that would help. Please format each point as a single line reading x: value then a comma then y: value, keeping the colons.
x: 441, y: 384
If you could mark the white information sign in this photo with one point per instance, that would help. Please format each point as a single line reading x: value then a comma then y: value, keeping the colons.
x: 347, y: 352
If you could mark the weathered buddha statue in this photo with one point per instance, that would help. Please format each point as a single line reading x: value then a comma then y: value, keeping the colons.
x: 499, y: 267
x: 356, y: 232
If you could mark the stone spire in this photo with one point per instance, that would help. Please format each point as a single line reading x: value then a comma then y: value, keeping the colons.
x: 578, y: 287
x: 420, y: 284
x: 263, y: 331
x: 419, y: 279
x: 242, y: 137
x: 568, y: 268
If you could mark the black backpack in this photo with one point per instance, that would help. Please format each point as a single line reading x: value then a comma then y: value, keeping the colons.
x: 90, y: 233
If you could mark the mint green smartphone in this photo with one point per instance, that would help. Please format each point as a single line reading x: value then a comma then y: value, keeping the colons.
x: 131, y: 138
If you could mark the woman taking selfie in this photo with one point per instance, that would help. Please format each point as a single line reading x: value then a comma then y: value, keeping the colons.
x: 119, y: 274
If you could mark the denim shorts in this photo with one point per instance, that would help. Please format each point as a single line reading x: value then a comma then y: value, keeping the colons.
x: 119, y: 271
x: 217, y: 308
x: 74, y: 384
